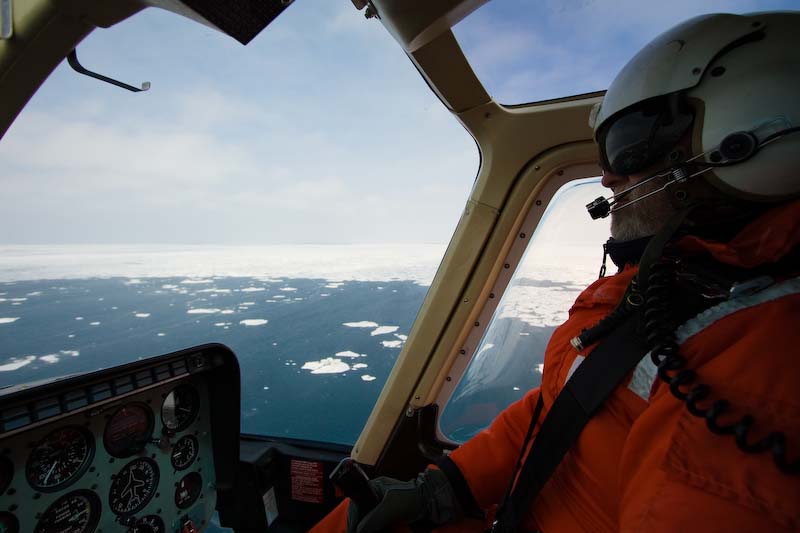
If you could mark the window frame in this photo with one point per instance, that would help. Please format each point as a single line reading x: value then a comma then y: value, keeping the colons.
x: 468, y: 348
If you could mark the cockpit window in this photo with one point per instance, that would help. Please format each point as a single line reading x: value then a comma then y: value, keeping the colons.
x: 562, y: 258
x: 291, y: 199
x: 525, y: 51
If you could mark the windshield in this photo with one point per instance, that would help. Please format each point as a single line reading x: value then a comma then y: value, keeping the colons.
x: 525, y: 51
x: 291, y: 199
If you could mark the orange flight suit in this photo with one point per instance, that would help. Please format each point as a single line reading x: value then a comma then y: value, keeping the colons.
x: 643, y: 463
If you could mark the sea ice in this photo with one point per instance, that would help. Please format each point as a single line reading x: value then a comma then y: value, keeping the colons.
x: 196, y: 281
x: 16, y: 364
x: 253, y: 289
x: 141, y: 315
x: 392, y: 344
x: 540, y: 368
x: 247, y: 303
x: 51, y: 358
x: 169, y: 286
x: 71, y: 353
x: 94, y: 323
x: 362, y: 324
x: 359, y: 365
x: 202, y: 311
x: 328, y: 365
x: 367, y: 377
x: 401, y: 337
x: 8, y: 320
x: 350, y: 353
x: 78, y: 318
x: 133, y: 282
x: 227, y: 311
x: 162, y: 334
x: 222, y: 324
x: 288, y: 289
x: 253, y: 322
x: 35, y: 293
x: 383, y: 330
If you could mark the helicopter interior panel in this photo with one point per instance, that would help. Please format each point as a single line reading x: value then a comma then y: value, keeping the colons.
x: 143, y: 447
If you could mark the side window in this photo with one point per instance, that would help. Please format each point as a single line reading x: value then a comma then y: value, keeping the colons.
x: 562, y: 258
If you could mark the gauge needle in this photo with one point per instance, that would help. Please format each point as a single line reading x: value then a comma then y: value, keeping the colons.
x: 50, y: 472
x: 77, y: 515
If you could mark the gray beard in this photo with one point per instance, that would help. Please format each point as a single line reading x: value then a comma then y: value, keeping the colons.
x: 644, y: 217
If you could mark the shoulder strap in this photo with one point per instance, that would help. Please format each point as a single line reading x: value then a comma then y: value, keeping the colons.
x: 582, y: 395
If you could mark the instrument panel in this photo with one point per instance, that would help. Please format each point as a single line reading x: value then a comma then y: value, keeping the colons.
x: 142, y: 461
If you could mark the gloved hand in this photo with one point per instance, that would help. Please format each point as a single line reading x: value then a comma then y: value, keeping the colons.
x: 429, y: 497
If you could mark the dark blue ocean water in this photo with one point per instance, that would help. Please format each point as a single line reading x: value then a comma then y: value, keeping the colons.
x: 72, y: 326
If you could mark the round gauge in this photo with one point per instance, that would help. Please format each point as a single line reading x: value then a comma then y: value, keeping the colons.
x: 134, y: 486
x: 59, y: 459
x: 8, y: 523
x: 184, y: 452
x: 188, y: 489
x: 180, y: 408
x: 148, y: 524
x: 128, y: 430
x: 76, y: 512
x: 6, y: 474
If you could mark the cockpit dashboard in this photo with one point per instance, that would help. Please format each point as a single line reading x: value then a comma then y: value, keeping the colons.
x: 142, y: 448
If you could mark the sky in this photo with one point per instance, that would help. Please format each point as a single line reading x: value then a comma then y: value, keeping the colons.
x: 320, y: 131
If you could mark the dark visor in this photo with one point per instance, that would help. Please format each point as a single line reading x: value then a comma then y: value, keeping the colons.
x: 640, y: 136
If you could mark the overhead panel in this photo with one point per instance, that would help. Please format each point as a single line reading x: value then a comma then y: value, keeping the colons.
x: 241, y: 19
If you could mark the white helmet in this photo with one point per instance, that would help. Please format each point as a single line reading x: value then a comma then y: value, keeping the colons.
x: 733, y: 81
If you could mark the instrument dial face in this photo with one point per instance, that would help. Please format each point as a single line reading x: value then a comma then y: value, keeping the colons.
x: 134, y: 486
x: 128, y: 430
x: 184, y: 452
x: 59, y: 459
x: 76, y: 512
x: 8, y: 523
x: 188, y: 489
x: 180, y: 408
x: 149, y: 524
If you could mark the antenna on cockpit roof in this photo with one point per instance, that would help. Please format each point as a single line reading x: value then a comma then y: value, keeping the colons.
x: 72, y: 59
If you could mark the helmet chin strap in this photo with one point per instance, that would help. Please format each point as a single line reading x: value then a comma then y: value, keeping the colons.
x: 735, y: 148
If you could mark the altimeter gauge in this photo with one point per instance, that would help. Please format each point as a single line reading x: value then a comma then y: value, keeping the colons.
x: 184, y: 452
x: 59, y: 459
x: 76, y: 512
x: 180, y: 408
x: 134, y: 486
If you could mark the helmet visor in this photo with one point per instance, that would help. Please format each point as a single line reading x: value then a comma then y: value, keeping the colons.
x: 642, y: 135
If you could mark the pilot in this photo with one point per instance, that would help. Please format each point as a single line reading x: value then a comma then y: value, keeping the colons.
x: 699, y: 140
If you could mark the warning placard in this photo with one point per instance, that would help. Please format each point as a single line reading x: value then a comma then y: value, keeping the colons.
x: 307, y: 478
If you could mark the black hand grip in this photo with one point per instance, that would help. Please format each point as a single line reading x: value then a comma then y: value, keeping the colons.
x: 354, y: 483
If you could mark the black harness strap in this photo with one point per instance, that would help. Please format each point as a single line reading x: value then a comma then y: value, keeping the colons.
x: 582, y: 395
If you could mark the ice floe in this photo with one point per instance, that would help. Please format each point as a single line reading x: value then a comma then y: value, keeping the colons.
x: 51, y: 358
x: 9, y: 320
x: 202, y: 311
x: 362, y: 324
x: 253, y: 289
x: 141, y: 315
x: 247, y: 303
x: 392, y: 344
x: 169, y: 286
x: 215, y: 291
x: 540, y: 368
x: 358, y: 366
x: 94, y: 323
x: 35, y: 293
x: 288, y: 289
x: 328, y: 365
x: 71, y: 353
x: 223, y: 324
x: 383, y: 330
x: 162, y: 334
x: 134, y: 281
x: 78, y: 318
x: 19, y: 299
x: 334, y: 285
x: 350, y: 353
x: 196, y: 281
x: 17, y: 363
x: 227, y: 312
x: 401, y: 337
x: 367, y: 377
x: 253, y: 322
